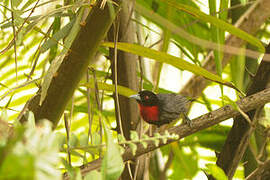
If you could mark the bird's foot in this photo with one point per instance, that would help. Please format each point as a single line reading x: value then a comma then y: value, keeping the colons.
x: 187, y: 121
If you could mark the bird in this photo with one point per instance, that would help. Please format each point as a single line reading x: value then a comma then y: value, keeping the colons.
x: 160, y: 109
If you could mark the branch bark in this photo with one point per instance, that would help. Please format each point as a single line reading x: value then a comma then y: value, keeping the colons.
x: 200, y: 123
x: 74, y: 64
x: 126, y: 69
x: 236, y: 143
x: 250, y: 22
x: 257, y: 174
x: 126, y: 76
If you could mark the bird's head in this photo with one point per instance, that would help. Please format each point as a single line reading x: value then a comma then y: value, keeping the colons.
x: 146, y: 98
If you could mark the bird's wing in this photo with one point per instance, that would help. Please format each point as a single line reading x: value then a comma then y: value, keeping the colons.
x: 173, y: 103
x: 171, y: 106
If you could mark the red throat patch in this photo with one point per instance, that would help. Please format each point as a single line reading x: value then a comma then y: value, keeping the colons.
x: 149, y: 113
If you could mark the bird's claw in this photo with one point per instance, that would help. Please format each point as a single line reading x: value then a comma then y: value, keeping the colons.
x: 187, y: 120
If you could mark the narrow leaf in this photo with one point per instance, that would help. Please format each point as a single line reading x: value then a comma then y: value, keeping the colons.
x: 169, y: 59
x: 219, y: 23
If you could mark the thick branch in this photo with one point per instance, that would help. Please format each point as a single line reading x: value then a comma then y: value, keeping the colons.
x: 200, y: 123
x: 126, y: 76
x: 75, y: 63
x: 233, y: 148
x: 126, y: 71
x: 250, y: 22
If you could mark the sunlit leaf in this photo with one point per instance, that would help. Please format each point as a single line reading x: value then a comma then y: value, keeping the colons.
x: 166, y: 58
x: 93, y: 175
x: 216, y: 171
x: 112, y: 164
x: 110, y: 87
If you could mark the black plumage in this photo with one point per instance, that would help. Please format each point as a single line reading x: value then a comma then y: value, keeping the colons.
x: 162, y: 109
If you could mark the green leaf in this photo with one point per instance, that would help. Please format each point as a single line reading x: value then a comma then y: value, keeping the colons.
x: 134, y: 136
x: 219, y: 23
x: 93, y: 175
x: 144, y: 144
x: 187, y: 161
x: 13, y: 162
x: 73, y: 141
x: 30, y: 120
x: 121, y: 138
x: 133, y: 148
x: 15, y: 3
x: 227, y: 100
x: 124, y: 91
x: 34, y: 150
x: 216, y: 171
x: 63, y: 32
x: 28, y: 3
x: 83, y: 139
x: 179, y: 19
x: 112, y: 164
x: 4, y: 115
x: 166, y: 58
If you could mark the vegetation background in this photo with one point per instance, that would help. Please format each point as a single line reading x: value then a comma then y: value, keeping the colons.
x: 68, y: 67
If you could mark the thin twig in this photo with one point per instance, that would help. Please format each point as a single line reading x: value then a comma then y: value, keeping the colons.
x: 257, y: 172
x: 89, y: 111
x: 67, y: 127
x: 98, y: 107
x: 72, y: 108
x: 19, y: 86
x: 116, y: 32
x: 37, y: 54
x: 20, y: 28
x: 140, y: 62
x: 246, y: 117
x: 116, y: 78
x: 15, y: 46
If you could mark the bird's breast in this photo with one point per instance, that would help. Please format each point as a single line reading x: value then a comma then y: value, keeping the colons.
x: 149, y: 113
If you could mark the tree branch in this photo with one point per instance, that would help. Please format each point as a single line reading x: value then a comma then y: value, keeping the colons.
x: 198, y: 124
x: 236, y: 143
x: 259, y: 171
x: 75, y: 64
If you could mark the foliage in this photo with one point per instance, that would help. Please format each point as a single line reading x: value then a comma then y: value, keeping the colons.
x: 29, y: 152
x: 36, y: 35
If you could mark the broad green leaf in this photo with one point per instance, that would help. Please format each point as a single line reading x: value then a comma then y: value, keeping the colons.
x: 13, y: 162
x: 112, y: 164
x: 216, y: 171
x: 219, y: 23
x: 166, y: 58
x: 187, y: 162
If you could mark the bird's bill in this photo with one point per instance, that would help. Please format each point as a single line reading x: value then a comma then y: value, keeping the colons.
x: 136, y: 96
